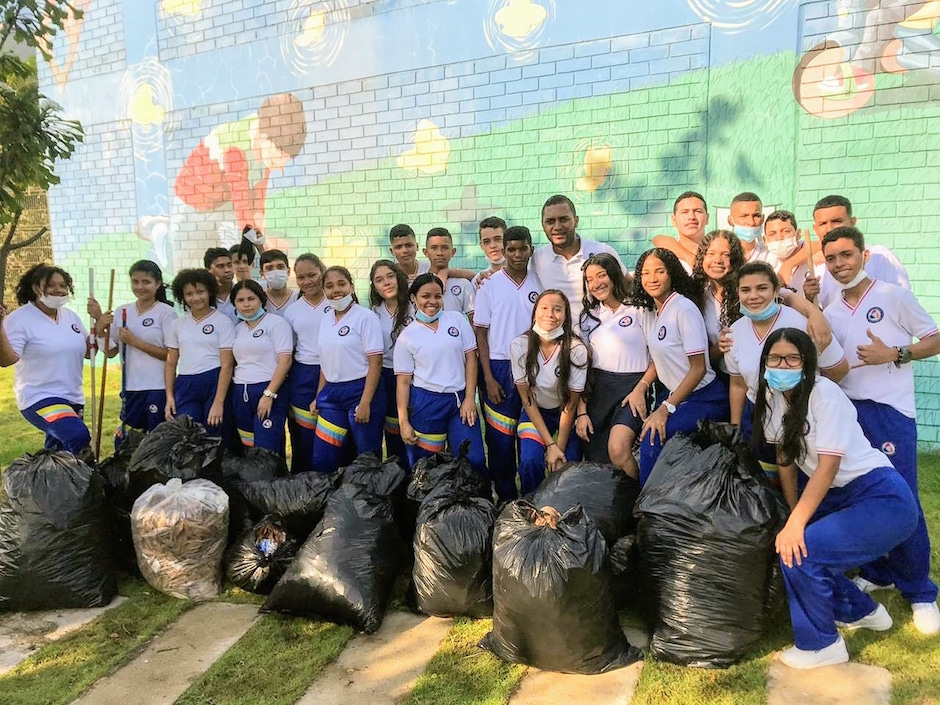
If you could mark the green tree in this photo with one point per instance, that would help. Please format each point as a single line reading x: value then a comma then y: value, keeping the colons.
x: 33, y: 133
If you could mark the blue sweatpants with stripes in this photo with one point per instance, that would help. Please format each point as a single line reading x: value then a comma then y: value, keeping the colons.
x: 62, y: 423
x: 500, y: 421
x: 254, y: 432
x: 142, y: 410
x: 394, y: 446
x: 194, y: 395
x: 532, y: 448
x: 336, y: 419
x: 302, y: 383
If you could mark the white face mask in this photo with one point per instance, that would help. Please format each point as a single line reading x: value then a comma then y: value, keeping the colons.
x: 856, y: 280
x: 276, y: 279
x: 498, y: 262
x: 548, y: 334
x: 343, y: 303
x: 54, y: 302
x: 783, y: 248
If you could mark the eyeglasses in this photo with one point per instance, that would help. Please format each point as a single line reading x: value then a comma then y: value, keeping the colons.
x: 794, y: 360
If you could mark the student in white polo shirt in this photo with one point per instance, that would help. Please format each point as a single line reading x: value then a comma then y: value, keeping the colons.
x: 503, y: 312
x: 746, y: 219
x: 610, y: 419
x: 876, y: 324
x: 263, y: 350
x: 853, y: 506
x: 140, y: 329
x: 47, y: 345
x: 275, y: 270
x: 458, y: 292
x: 549, y: 367
x: 760, y: 315
x: 304, y: 378
x: 492, y: 230
x: 558, y: 264
x: 717, y: 261
x: 199, y: 362
x: 436, y: 368
x: 349, y: 399
x: 219, y: 264
x: 678, y: 346
x: 391, y: 302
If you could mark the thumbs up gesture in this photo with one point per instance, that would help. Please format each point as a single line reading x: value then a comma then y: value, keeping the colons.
x: 875, y: 352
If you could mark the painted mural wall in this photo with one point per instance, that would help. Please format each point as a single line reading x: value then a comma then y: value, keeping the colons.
x: 328, y: 121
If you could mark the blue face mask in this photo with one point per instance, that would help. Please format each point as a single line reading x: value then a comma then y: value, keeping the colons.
x: 746, y: 233
x: 782, y: 380
x: 250, y: 319
x: 769, y: 311
x: 424, y: 318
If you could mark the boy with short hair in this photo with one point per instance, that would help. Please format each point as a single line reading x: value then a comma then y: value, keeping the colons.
x: 275, y: 270
x: 458, y: 292
x: 503, y: 312
x: 492, y: 230
x: 404, y: 248
x: 218, y: 260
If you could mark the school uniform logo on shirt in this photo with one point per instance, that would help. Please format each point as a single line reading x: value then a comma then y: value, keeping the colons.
x: 874, y: 314
x: 662, y: 333
x: 327, y: 309
x: 558, y: 372
x: 147, y: 322
x: 344, y: 331
x: 453, y: 332
x: 258, y: 333
x: 208, y: 328
x: 888, y: 448
x: 409, y: 320
x: 76, y: 328
x: 627, y: 321
x: 533, y: 297
x: 455, y: 290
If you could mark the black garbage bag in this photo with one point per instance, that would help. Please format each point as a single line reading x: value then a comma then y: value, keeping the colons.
x: 251, y: 465
x: 258, y: 560
x: 707, y: 520
x: 605, y: 492
x: 453, y: 572
x: 180, y: 448
x: 624, y: 561
x: 55, y: 549
x: 385, y: 479
x: 444, y: 468
x: 297, y: 501
x: 119, y: 500
x: 552, y: 602
x: 346, y: 569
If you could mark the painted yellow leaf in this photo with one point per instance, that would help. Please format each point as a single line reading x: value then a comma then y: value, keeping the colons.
x: 314, y: 28
x: 143, y: 110
x: 431, y: 150
x: 520, y: 18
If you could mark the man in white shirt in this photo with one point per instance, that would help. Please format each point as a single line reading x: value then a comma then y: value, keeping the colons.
x: 558, y: 264
x: 218, y: 261
x: 492, y: 230
x: 746, y: 220
x: 689, y: 218
x: 458, y: 292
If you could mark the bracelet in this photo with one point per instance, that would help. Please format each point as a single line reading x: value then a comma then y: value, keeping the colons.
x: 552, y: 444
x: 645, y: 382
x: 580, y: 415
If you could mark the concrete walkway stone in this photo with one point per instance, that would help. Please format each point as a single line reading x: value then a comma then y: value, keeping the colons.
x: 381, y: 668
x: 168, y: 665
x: 846, y: 684
x: 21, y: 633
x: 614, y: 688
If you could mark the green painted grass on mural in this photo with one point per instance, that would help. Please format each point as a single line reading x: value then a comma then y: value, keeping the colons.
x: 59, y: 672
x: 272, y: 664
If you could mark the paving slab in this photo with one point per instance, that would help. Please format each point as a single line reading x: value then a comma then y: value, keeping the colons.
x: 174, y: 659
x: 614, y: 688
x: 845, y: 684
x: 380, y: 668
x: 21, y: 633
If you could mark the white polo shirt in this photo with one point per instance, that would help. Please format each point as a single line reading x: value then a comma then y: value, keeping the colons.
x: 505, y: 308
x: 556, y: 272
x: 882, y: 265
x: 144, y: 372
x: 227, y: 308
x: 760, y: 253
x: 675, y: 334
x: 51, y: 354
x: 618, y: 340
x: 387, y: 322
x: 547, y: 394
x: 304, y: 320
x: 281, y: 310
x: 346, y: 344
x: 744, y: 357
x: 458, y: 295
x: 436, y: 358
x: 256, y: 349
x: 200, y: 342
x: 423, y: 266
x: 831, y: 429
x: 895, y: 316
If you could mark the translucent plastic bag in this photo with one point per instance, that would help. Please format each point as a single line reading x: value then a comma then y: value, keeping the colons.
x: 180, y: 531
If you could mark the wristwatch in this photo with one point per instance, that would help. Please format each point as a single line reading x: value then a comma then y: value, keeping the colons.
x: 904, y: 356
x: 670, y: 408
x: 268, y: 393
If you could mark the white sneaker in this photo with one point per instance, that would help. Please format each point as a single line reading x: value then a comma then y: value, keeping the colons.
x: 878, y: 621
x: 868, y: 587
x: 832, y: 655
x: 926, y: 617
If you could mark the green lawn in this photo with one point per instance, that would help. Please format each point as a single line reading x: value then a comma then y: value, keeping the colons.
x: 252, y: 671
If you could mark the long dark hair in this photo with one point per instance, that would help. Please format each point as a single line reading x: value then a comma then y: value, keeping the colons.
x: 252, y: 286
x: 729, y: 302
x: 681, y: 282
x: 35, y: 276
x: 344, y: 273
x: 749, y: 270
x: 620, y: 288
x: 792, y: 446
x: 191, y: 277
x: 564, y: 355
x: 151, y: 269
x: 401, y: 296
